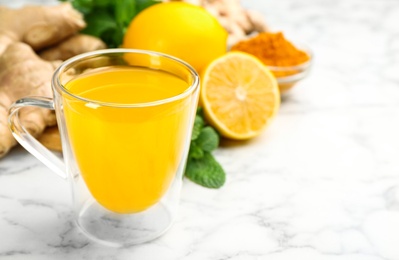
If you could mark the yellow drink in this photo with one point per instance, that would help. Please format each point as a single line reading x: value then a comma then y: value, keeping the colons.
x: 128, y: 156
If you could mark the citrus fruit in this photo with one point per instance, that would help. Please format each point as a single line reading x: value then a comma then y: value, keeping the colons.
x: 239, y: 95
x: 179, y: 29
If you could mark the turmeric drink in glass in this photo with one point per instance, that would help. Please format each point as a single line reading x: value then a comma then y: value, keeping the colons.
x: 127, y: 156
x: 125, y: 118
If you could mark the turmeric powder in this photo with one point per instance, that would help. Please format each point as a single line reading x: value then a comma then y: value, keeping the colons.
x: 273, y: 50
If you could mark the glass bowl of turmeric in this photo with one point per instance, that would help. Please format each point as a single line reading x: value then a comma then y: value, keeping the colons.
x: 289, y: 63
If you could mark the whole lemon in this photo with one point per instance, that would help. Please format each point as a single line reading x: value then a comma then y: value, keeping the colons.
x: 179, y: 29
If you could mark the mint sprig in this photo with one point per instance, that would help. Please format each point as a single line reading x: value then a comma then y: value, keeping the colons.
x: 202, y: 168
x: 205, y: 171
x: 109, y: 19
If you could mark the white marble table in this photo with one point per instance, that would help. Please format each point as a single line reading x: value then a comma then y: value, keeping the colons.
x: 322, y: 183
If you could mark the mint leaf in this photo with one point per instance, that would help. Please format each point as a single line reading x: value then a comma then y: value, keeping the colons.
x: 99, y: 23
x: 102, y: 3
x: 125, y: 10
x: 143, y: 4
x: 205, y: 171
x: 195, y: 151
x: 109, y: 19
x: 208, y: 139
x: 200, y: 112
x: 83, y: 6
x: 202, y: 168
x: 198, y: 125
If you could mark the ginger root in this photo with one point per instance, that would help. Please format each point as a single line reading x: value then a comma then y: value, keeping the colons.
x: 38, y: 26
x: 23, y: 73
x: 51, y: 139
x: 238, y: 21
x: 72, y: 46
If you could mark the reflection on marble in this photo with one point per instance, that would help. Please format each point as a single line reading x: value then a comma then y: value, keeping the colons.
x: 322, y: 183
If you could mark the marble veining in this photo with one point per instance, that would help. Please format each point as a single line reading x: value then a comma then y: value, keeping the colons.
x: 321, y: 183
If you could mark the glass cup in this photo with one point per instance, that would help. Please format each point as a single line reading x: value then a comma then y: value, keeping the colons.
x: 125, y: 119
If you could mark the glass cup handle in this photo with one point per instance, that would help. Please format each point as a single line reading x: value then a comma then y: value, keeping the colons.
x: 27, y: 140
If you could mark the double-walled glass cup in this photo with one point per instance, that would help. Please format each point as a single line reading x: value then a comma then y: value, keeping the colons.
x: 125, y: 118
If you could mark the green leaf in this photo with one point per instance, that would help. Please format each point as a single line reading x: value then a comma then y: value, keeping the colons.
x: 98, y: 23
x: 113, y: 38
x: 200, y: 112
x: 208, y: 139
x: 195, y: 151
x: 83, y: 6
x: 109, y: 19
x: 198, y: 125
x: 205, y: 171
x: 125, y: 10
x: 102, y: 3
x: 143, y: 4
